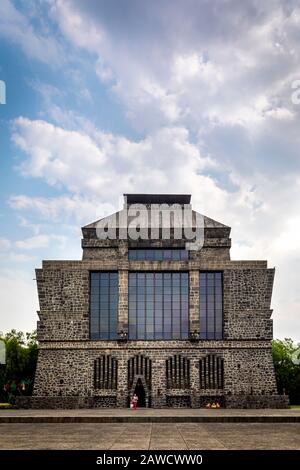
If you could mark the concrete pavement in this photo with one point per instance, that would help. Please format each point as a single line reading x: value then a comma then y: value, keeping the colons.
x: 152, y: 436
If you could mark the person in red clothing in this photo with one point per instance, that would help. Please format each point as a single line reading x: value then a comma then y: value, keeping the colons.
x: 134, y: 401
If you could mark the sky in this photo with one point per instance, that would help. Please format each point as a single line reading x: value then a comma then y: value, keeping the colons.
x: 179, y: 96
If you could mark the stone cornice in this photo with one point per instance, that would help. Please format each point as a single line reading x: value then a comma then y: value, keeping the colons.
x: 156, y: 345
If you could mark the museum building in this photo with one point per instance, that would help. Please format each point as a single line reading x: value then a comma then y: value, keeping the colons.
x: 179, y: 327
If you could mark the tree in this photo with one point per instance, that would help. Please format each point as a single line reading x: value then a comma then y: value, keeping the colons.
x: 286, y: 356
x: 17, y: 375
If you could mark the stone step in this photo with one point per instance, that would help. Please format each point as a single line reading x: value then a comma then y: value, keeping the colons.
x: 150, y: 416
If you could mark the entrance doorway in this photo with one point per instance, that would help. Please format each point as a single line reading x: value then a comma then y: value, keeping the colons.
x: 140, y: 388
x: 140, y: 392
x: 139, y: 379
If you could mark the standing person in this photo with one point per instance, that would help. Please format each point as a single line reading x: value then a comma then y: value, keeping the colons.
x: 135, y: 399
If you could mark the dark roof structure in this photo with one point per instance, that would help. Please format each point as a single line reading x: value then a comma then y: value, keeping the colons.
x: 157, y: 198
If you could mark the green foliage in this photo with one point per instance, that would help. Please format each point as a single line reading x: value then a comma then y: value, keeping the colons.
x: 17, y: 375
x: 286, y: 356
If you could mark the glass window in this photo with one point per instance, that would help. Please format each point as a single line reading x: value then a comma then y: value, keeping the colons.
x: 159, y: 310
x: 140, y: 254
x: 103, y: 305
x: 184, y: 255
x: 148, y: 255
x: 158, y: 254
x: 211, y: 305
x: 132, y: 254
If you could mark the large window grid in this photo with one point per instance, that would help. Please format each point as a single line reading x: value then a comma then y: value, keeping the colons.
x: 211, y: 305
x: 160, y: 254
x: 158, y: 306
x: 104, y: 305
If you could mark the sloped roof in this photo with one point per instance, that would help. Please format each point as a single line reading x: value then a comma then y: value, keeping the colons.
x: 208, y: 222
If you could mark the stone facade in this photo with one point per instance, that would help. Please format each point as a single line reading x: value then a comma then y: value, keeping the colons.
x: 65, y: 376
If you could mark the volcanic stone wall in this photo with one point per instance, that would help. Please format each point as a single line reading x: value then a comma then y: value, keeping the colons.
x: 65, y: 368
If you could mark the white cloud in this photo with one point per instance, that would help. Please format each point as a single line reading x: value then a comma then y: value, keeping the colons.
x: 193, y: 66
x: 81, y: 30
x: 104, y: 72
x: 4, y: 244
x: 214, y: 71
x: 63, y: 209
x: 55, y: 153
x: 13, y: 257
x: 39, y: 241
x: 46, y: 143
x: 212, y: 96
x: 18, y: 300
x: 17, y: 28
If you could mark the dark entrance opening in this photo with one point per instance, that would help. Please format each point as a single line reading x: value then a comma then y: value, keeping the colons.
x: 140, y: 392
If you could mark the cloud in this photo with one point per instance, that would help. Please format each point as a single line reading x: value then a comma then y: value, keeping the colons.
x: 63, y: 209
x: 4, y: 244
x: 92, y: 38
x: 104, y: 72
x: 195, y: 72
x: 207, y: 85
x: 54, y: 154
x: 13, y: 257
x: 39, y: 241
x: 37, y: 44
x: 46, y: 159
x: 18, y: 300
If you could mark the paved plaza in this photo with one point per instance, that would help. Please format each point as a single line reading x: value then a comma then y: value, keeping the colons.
x: 152, y: 436
x: 165, y: 429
